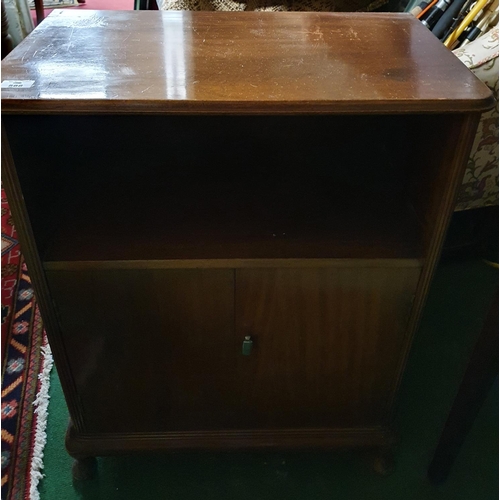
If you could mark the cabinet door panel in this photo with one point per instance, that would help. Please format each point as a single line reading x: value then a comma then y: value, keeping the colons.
x: 149, y: 350
x: 326, y: 343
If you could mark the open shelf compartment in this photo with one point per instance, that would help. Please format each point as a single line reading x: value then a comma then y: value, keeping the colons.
x: 219, y: 187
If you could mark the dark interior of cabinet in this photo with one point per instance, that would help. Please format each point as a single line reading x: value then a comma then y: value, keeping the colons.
x: 177, y: 187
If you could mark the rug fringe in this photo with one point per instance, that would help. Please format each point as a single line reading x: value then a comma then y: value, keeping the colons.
x: 42, y: 405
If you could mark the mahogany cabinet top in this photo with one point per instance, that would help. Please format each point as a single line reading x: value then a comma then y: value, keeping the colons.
x: 252, y: 62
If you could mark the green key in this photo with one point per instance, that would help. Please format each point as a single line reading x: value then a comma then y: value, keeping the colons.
x: 247, y: 346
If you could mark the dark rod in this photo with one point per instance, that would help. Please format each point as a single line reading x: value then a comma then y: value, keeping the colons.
x: 447, y: 18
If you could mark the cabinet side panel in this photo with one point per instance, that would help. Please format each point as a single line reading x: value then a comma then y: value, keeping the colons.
x: 437, y: 168
x: 433, y: 189
x: 29, y: 248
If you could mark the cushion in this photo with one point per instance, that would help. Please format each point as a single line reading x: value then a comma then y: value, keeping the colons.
x: 480, y: 184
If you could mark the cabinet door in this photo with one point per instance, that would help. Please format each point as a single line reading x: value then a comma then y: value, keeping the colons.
x: 326, y: 343
x: 149, y: 350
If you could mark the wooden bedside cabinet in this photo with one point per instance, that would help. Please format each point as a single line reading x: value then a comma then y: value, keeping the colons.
x: 231, y: 220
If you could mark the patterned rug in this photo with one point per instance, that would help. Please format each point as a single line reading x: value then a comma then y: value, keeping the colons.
x: 26, y: 366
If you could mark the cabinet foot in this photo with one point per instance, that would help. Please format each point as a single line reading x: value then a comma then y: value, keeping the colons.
x: 84, y: 468
x: 384, y: 463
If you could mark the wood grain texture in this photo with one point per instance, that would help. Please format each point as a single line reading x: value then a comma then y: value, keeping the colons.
x: 229, y: 263
x: 40, y: 12
x: 150, y: 351
x: 216, y: 62
x: 326, y: 343
x: 235, y: 223
x: 81, y: 445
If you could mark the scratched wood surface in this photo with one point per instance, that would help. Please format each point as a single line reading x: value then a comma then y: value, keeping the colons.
x: 190, y: 62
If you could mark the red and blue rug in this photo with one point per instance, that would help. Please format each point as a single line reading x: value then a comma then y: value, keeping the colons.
x: 26, y: 364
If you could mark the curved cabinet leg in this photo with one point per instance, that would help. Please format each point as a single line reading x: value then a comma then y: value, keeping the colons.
x: 85, y: 463
x: 384, y: 463
x: 84, y: 468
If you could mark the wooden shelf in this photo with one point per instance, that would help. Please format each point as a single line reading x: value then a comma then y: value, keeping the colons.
x: 231, y: 221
